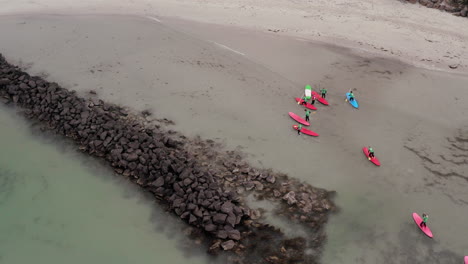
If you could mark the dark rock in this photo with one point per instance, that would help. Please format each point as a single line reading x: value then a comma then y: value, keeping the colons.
x: 222, y: 234
x: 210, y: 227
x: 103, y: 135
x: 231, y: 219
x: 452, y: 9
x: 249, y: 185
x: 132, y: 157
x: 170, y: 143
x: 228, y: 245
x: 424, y: 2
x: 178, y: 189
x: 198, y: 212
x: 254, y: 214
x: 187, y: 181
x: 219, y: 218
x: 191, y: 206
x: 290, y: 197
x: 132, y: 165
x: 23, y: 86
x: 258, y: 185
x: 270, y: 178
x: 227, y: 207
x: 234, y: 234
x: 4, y: 81
x: 158, y: 182
x: 464, y: 12
x: 276, y: 193
x: 192, y: 218
x: 237, y: 210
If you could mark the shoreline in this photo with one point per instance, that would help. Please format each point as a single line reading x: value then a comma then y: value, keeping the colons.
x: 177, y: 170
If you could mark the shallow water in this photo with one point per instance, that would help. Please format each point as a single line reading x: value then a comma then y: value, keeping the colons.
x: 57, y: 206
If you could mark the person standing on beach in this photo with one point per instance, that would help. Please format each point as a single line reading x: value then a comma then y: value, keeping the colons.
x: 424, y: 221
x: 299, y: 127
x: 371, y: 152
x: 307, y: 114
x: 313, y: 100
x: 351, y: 95
x: 324, y: 92
x: 304, y: 100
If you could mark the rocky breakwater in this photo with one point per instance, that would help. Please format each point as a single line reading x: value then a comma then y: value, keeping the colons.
x: 193, y: 178
x: 456, y: 7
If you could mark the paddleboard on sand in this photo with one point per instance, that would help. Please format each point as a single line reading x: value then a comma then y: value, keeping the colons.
x: 354, y: 102
x: 319, y: 98
x: 308, y: 91
x: 466, y: 259
x: 373, y: 160
x: 298, y: 119
x: 306, y: 131
x: 307, y: 105
x: 417, y: 219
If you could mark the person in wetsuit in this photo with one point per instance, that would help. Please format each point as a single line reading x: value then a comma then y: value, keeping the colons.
x: 351, y: 96
x: 424, y: 221
x: 371, y: 152
x: 307, y: 114
x: 324, y: 92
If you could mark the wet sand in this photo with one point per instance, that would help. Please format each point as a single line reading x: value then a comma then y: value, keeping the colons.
x: 241, y: 94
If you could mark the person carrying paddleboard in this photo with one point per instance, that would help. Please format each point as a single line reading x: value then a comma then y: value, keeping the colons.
x: 299, y: 127
x: 371, y: 152
x: 424, y: 221
x: 307, y: 114
x: 324, y: 92
x: 351, y: 95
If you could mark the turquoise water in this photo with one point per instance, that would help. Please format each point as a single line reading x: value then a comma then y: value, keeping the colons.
x: 57, y: 206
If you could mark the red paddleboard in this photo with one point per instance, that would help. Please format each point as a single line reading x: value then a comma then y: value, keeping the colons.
x: 306, y: 131
x: 298, y: 119
x: 426, y: 230
x: 373, y: 160
x: 319, y: 98
x: 307, y: 105
x: 466, y: 259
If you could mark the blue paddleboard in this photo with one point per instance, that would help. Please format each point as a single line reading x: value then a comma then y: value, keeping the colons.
x: 354, y: 103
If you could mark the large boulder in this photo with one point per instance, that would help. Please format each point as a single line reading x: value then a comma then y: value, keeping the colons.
x: 227, y: 207
x: 234, y: 234
x: 220, y: 218
x: 228, y: 245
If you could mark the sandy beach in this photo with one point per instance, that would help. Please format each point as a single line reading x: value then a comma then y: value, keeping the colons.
x: 219, y: 73
x: 393, y: 29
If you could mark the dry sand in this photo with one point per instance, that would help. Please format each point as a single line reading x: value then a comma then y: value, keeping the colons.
x: 237, y: 85
x: 396, y: 29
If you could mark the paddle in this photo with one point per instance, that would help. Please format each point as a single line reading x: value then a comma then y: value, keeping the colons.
x: 298, y: 102
x: 318, y: 91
